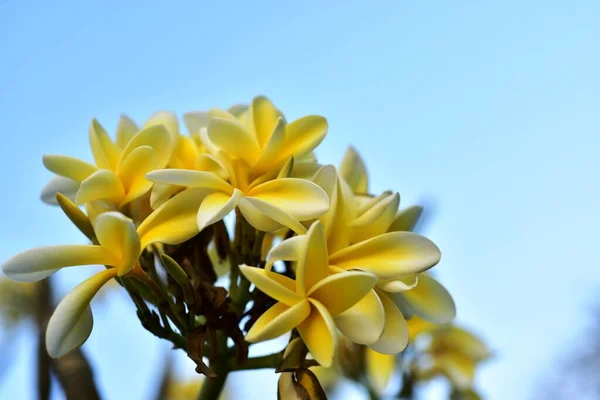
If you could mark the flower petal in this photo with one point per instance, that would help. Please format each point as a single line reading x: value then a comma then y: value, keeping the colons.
x: 175, y: 221
x: 157, y: 137
x: 190, y: 178
x: 380, y: 368
x: 116, y: 233
x: 271, y: 154
x: 376, y: 220
x: 288, y: 250
x: 340, y: 292
x: 300, y: 198
x: 68, y: 167
x: 71, y: 323
x: 319, y: 334
x: 266, y: 217
x: 234, y: 139
x: 194, y: 121
x: 391, y: 255
x: 39, y: 263
x: 406, y: 219
x: 363, y: 323
x: 132, y: 172
x: 394, y: 338
x: 313, y: 265
x: 278, y: 320
x: 161, y: 193
x: 216, y: 206
x: 166, y: 119
x: 459, y: 369
x: 354, y: 171
x: 101, y: 185
x: 398, y: 285
x: 269, y: 283
x: 106, y: 153
x: 265, y: 118
x: 303, y: 135
x: 58, y: 184
x: 126, y: 129
x: 431, y: 301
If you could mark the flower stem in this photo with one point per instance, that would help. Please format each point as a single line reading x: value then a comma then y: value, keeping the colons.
x: 212, y: 387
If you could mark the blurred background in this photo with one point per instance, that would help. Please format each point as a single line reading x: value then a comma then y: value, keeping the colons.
x: 486, y: 112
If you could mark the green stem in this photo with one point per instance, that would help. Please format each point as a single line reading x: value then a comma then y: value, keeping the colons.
x: 212, y: 387
x: 268, y: 361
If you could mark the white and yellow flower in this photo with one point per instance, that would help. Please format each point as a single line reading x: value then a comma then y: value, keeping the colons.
x: 313, y: 300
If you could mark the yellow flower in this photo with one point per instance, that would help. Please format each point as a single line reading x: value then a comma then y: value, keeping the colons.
x: 119, y: 248
x: 394, y: 257
x: 452, y: 352
x: 118, y: 176
x: 312, y: 301
x: 249, y: 169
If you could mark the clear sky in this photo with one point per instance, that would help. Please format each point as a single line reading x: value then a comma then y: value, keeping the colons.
x: 489, y: 110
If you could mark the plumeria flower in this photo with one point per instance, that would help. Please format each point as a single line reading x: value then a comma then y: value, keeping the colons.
x: 452, y: 352
x: 118, y: 176
x: 312, y: 301
x: 119, y: 247
x: 249, y: 168
x: 394, y: 257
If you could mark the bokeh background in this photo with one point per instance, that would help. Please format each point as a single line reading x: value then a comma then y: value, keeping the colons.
x: 487, y: 112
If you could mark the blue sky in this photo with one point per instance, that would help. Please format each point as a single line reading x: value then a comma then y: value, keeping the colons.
x: 487, y: 111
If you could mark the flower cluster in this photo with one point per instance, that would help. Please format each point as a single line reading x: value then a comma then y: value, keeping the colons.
x: 309, y: 249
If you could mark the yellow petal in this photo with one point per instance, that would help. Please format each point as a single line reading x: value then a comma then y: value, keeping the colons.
x: 300, y: 198
x: 126, y: 129
x: 116, y: 233
x: 341, y: 291
x: 106, y: 153
x: 190, y: 178
x: 161, y: 193
x: 209, y: 163
x: 459, y: 369
x: 155, y: 136
x: 288, y: 250
x: 266, y: 217
x: 406, y: 219
x: 376, y: 220
x: 175, y: 221
x: 391, y: 255
x: 132, y: 172
x: 363, y: 323
x: 71, y: 323
x: 303, y: 135
x: 234, y: 139
x: 195, y: 121
x: 58, y: 184
x: 380, y: 368
x: 459, y: 340
x: 101, y: 185
x: 271, y: 154
x: 326, y: 178
x: 417, y: 325
x: 277, y: 320
x: 394, y: 338
x: 216, y: 206
x: 313, y: 265
x: 354, y: 171
x: 36, y: 264
x: 269, y: 283
x: 166, y: 119
x: 398, y: 285
x: 319, y: 334
x: 68, y: 167
x: 431, y: 301
x: 265, y: 117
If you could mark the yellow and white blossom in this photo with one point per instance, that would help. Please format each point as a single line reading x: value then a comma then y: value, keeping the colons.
x: 119, y: 248
x: 118, y: 175
x: 311, y: 302
x: 249, y: 168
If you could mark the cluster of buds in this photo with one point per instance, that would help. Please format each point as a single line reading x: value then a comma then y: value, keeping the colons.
x: 240, y: 201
